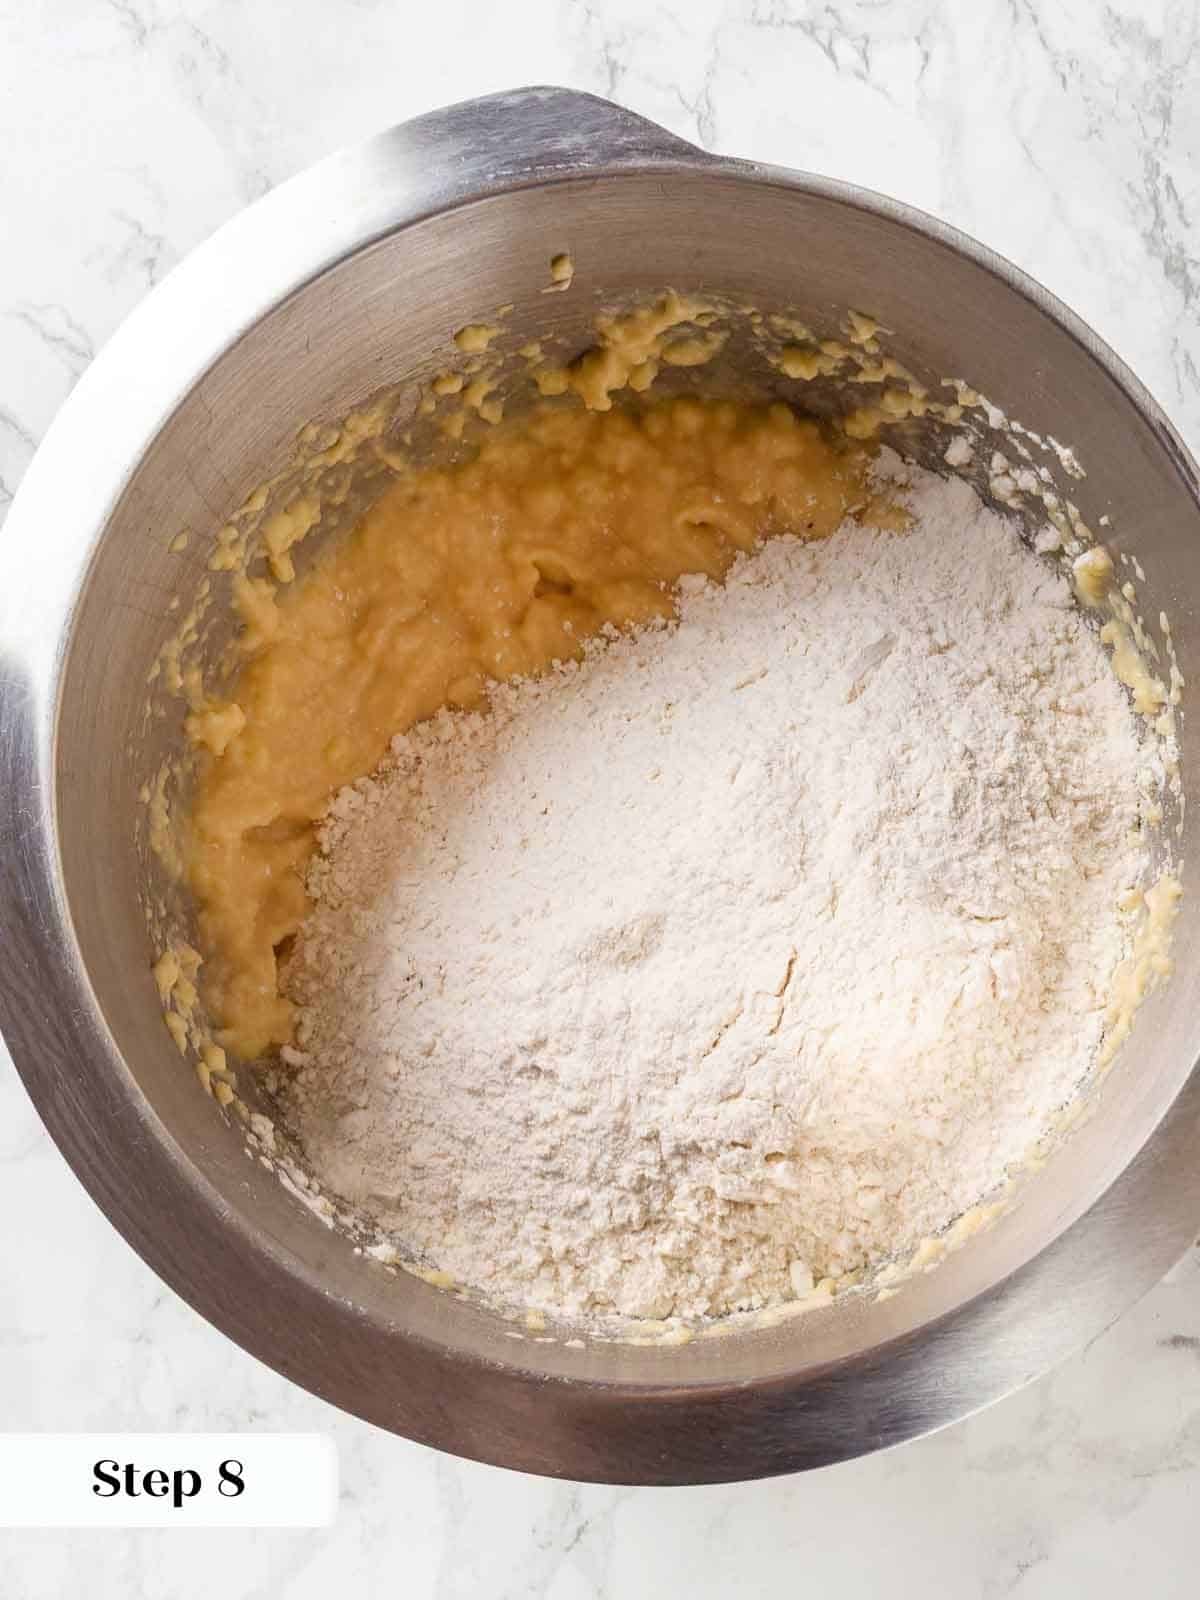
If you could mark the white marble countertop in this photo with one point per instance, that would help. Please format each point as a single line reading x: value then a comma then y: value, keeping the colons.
x: 1065, y: 133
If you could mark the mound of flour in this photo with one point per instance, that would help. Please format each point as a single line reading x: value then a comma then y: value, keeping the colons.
x: 747, y: 952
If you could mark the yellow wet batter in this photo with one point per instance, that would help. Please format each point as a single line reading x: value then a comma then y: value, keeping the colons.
x: 562, y: 523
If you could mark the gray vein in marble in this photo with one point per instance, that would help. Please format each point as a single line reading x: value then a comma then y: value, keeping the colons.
x: 17, y: 445
x: 700, y: 106
x: 131, y: 20
x: 1024, y: 12
x: 613, y: 47
x: 848, y: 52
x: 57, y: 329
x: 1167, y: 209
x: 144, y: 252
x: 1167, y: 212
x: 572, y: 1527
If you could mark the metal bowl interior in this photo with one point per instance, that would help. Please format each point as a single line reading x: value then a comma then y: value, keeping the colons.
x: 353, y: 277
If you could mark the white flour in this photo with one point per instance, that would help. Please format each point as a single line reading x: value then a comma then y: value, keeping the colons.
x: 745, y: 954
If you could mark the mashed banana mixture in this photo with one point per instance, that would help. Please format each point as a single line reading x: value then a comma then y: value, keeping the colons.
x: 495, y: 567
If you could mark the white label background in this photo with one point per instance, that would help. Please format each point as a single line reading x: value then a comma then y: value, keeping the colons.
x: 46, y: 1480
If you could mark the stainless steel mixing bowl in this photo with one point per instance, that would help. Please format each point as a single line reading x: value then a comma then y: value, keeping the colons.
x: 351, y: 277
